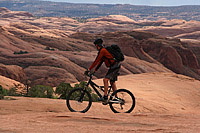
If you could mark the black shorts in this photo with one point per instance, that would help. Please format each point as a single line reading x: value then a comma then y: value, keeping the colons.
x: 113, y: 72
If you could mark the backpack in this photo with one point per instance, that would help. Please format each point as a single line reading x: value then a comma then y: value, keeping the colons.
x: 116, y: 52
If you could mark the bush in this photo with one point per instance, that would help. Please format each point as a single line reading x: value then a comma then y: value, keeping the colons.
x: 21, y: 52
x: 41, y: 91
x: 12, y: 92
x: 82, y: 84
x: 63, y: 89
x: 48, y: 48
x: 94, y: 97
x: 4, y: 92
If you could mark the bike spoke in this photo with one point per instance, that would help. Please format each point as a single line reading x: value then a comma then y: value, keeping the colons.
x: 79, y: 101
x: 78, y: 106
x: 123, y: 103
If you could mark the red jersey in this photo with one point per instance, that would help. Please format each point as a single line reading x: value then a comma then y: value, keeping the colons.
x: 103, y: 56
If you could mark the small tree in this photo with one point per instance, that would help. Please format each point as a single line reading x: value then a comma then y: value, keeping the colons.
x: 41, y: 91
x: 63, y: 89
x: 82, y: 84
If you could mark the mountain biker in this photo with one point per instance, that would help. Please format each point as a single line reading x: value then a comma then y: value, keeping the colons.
x: 114, y: 67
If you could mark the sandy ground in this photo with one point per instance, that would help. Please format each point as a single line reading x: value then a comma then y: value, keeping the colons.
x: 165, y: 102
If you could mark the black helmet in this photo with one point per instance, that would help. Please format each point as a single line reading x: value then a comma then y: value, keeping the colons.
x: 99, y: 42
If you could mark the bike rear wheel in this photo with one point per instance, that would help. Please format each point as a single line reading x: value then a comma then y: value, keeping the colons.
x: 123, y: 103
x: 79, y: 100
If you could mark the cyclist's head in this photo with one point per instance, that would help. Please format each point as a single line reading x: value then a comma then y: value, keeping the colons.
x: 98, y: 42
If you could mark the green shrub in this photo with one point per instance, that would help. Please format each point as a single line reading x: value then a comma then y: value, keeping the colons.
x: 12, y: 92
x: 4, y: 92
x: 48, y: 48
x: 82, y: 84
x: 63, y: 89
x: 94, y: 97
x: 41, y: 91
x: 21, y: 52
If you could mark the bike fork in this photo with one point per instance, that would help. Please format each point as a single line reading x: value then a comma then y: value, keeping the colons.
x: 82, y: 95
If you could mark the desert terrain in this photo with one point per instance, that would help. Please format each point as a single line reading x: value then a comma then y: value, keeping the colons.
x: 161, y: 69
x: 165, y: 102
x: 51, y: 50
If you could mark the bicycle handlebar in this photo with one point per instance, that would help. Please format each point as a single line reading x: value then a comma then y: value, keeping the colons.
x: 89, y: 74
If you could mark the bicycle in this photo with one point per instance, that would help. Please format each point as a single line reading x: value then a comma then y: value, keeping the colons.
x: 80, y: 100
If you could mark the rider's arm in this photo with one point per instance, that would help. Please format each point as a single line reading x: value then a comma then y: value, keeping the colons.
x: 98, y: 66
x: 98, y: 59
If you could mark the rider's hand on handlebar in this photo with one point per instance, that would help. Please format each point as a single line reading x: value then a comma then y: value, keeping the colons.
x: 87, y: 72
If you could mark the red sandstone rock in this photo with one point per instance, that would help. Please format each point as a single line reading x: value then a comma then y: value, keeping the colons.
x: 60, y: 57
x: 13, y: 72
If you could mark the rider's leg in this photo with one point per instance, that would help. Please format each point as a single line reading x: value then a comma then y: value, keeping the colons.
x: 105, y: 81
x: 114, y: 87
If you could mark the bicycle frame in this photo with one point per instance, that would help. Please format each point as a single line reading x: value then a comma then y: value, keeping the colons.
x: 116, y: 103
x: 94, y: 85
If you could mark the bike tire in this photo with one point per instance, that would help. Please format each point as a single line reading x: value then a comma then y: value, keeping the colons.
x: 74, y: 103
x: 129, y: 103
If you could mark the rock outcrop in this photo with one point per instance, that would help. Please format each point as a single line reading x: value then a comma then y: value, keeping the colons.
x: 1, y: 29
x: 13, y: 72
x: 174, y: 56
x: 4, y: 10
x: 5, y: 13
x: 49, y: 50
x: 172, y: 53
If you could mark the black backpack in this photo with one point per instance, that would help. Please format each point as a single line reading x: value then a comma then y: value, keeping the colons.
x: 116, y: 52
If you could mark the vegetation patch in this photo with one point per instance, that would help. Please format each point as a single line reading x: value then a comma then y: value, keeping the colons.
x: 48, y: 48
x: 64, y: 88
x: 42, y: 91
x: 20, y: 52
x: 4, y: 93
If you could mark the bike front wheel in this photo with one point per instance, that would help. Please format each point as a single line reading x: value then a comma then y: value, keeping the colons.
x: 79, y: 100
x: 122, y: 101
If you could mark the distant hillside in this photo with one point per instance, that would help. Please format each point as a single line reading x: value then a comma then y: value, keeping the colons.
x: 85, y: 11
x: 51, y: 50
